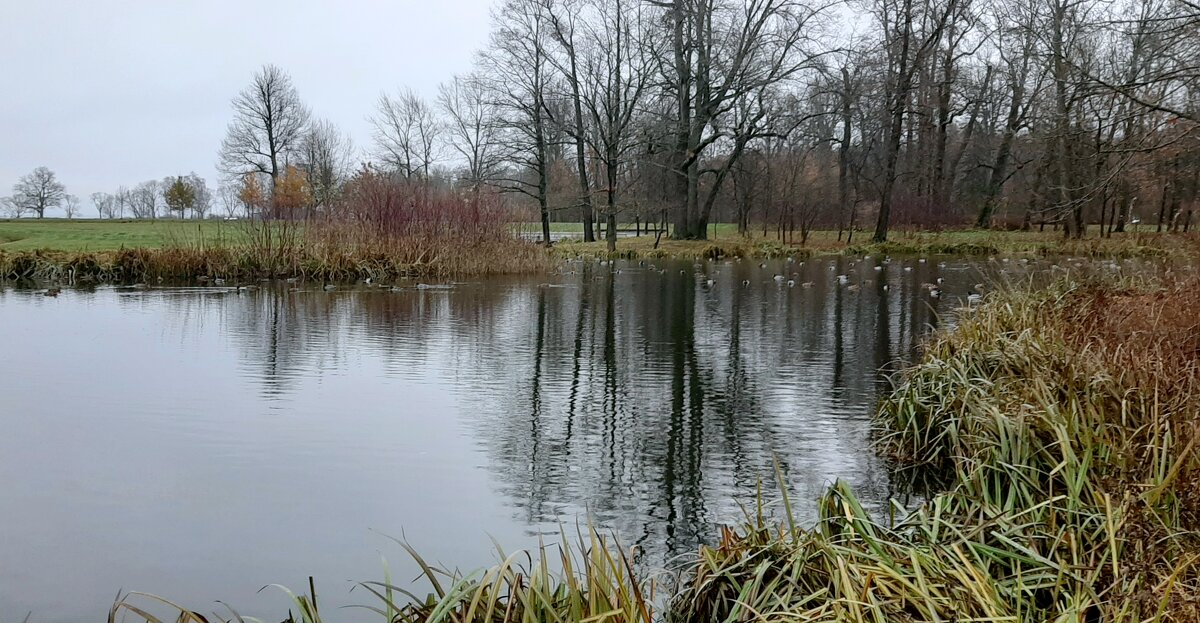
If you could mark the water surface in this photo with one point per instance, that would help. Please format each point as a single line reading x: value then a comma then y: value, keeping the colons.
x: 201, y: 443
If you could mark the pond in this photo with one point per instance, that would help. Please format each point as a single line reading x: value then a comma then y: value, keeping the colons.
x: 200, y: 443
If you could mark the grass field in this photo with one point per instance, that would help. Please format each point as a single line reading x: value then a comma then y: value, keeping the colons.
x: 109, y: 235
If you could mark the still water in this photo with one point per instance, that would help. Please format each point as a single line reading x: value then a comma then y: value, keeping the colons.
x: 201, y: 443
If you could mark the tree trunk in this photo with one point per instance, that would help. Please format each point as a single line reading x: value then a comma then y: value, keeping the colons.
x: 844, y: 155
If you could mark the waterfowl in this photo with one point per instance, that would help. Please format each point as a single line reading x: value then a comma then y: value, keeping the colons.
x: 853, y: 287
x: 329, y: 287
x: 807, y: 284
x: 745, y: 282
x: 710, y: 283
x: 935, y: 293
x: 219, y: 281
x: 791, y: 283
x: 779, y: 278
x: 52, y: 292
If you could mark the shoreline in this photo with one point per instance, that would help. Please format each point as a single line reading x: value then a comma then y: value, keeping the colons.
x: 187, y: 261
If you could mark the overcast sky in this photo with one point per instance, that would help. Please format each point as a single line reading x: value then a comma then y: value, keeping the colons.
x: 109, y: 93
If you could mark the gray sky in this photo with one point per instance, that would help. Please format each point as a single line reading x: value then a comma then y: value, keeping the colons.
x: 107, y: 93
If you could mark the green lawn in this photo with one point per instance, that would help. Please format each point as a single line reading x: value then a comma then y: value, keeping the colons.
x: 106, y: 235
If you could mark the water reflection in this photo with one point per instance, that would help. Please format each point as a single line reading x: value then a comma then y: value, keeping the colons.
x: 261, y: 434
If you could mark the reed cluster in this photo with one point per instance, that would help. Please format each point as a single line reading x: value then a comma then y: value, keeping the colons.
x: 1064, y: 426
x: 1057, y: 432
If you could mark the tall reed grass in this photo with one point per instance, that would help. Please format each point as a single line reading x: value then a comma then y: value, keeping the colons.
x: 1066, y: 422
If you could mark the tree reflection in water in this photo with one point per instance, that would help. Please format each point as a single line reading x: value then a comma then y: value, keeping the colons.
x: 637, y: 393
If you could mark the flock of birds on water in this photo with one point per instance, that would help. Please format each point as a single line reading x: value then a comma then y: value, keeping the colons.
x: 933, y: 289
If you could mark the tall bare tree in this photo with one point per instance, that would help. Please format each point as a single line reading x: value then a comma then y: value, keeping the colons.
x: 70, y: 206
x: 615, y: 67
x: 471, y: 128
x: 519, y: 79
x: 911, y: 30
x: 406, y: 133
x: 565, y: 19
x: 36, y: 192
x: 104, y: 203
x: 720, y: 51
x: 268, y: 126
x: 326, y: 156
x: 143, y: 200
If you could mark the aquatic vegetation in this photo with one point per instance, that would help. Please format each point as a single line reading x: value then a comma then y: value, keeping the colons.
x: 585, y: 578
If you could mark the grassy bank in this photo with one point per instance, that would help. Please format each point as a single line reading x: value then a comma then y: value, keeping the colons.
x: 1061, y: 430
x: 142, y: 251
x: 725, y: 241
x: 130, y: 251
x: 244, y: 263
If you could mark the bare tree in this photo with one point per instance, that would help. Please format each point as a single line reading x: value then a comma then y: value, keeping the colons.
x: 203, y: 201
x: 911, y: 30
x: 615, y: 67
x: 1015, y: 42
x: 563, y: 17
x: 36, y: 192
x: 122, y: 201
x: 406, y: 132
x: 70, y: 206
x: 518, y: 75
x: 268, y: 126
x: 721, y: 51
x: 105, y: 204
x: 326, y: 158
x: 471, y: 127
x: 228, y: 194
x: 143, y: 200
